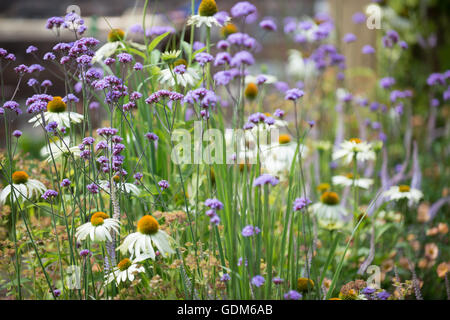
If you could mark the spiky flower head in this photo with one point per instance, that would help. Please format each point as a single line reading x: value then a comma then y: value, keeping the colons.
x: 330, y: 198
x: 148, y: 225
x: 124, y: 264
x: 170, y: 55
x: 56, y: 105
x: 304, y: 284
x: 404, y: 188
x: 207, y: 8
x: 116, y: 35
x: 98, y: 218
x: 19, y: 177
x: 228, y: 29
x: 251, y: 91
x: 284, y: 138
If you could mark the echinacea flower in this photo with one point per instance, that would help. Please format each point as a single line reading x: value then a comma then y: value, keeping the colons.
x: 206, y: 15
x: 328, y: 211
x: 395, y: 193
x: 23, y: 186
x: 348, y: 181
x: 139, y: 244
x: 126, y: 270
x: 304, y: 284
x: 98, y: 229
x: 57, y: 112
x: 57, y: 148
x: 348, y: 149
x: 190, y: 76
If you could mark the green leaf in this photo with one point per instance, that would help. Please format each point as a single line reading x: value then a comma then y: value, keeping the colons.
x: 156, y: 41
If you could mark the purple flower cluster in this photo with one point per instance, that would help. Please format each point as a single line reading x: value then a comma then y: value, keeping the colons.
x: 268, y: 25
x: 387, y: 82
x: 65, y: 183
x: 206, y: 99
x: 51, y: 126
x: 215, y: 205
x: 13, y: 106
x: 265, y: 179
x: 242, y: 9
x: 17, y: 133
x: 242, y: 58
x: 222, y: 58
x: 294, y: 94
x: 85, y: 253
x: 292, y: 295
x: 7, y: 56
x: 107, y: 132
x: 124, y: 57
x: 301, y: 203
x: 203, y: 58
x: 49, y: 194
x: 250, y: 230
x: 162, y: 94
x: 93, y: 188
x: 151, y: 136
x: 258, y: 281
x: 163, y: 184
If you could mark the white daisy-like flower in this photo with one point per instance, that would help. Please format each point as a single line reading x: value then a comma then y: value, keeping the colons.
x: 277, y: 158
x: 347, y: 149
x: 125, y: 187
x: 347, y: 181
x: 140, y: 243
x: 190, y: 77
x: 299, y: 67
x: 24, y: 187
x: 205, y: 16
x: 99, y: 228
x: 198, y: 20
x: 125, y: 270
x: 115, y: 41
x: 59, y: 148
x: 57, y: 112
x: 330, y: 214
x: 403, y: 192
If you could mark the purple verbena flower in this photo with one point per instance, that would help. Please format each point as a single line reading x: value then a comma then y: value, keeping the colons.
x: 265, y: 179
x: 258, y: 281
x: 49, y: 194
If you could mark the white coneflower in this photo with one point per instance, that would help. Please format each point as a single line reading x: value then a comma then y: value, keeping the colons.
x: 57, y: 112
x: 139, y: 244
x: 116, y: 39
x: 277, y: 158
x: 99, y: 228
x: 347, y: 181
x: 205, y: 16
x: 347, y: 149
x: 122, y: 186
x: 329, y: 213
x: 125, y: 270
x: 24, y: 187
x: 403, y: 192
x: 59, y: 148
x: 299, y: 67
x: 190, y: 76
